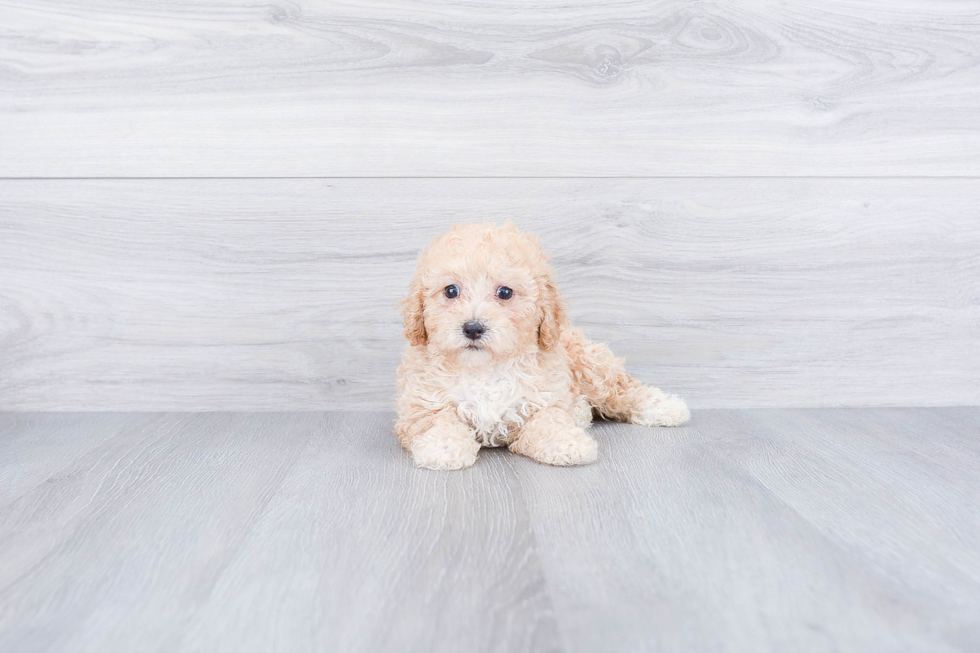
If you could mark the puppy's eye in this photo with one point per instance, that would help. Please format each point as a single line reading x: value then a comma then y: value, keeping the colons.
x: 503, y: 292
x: 452, y: 292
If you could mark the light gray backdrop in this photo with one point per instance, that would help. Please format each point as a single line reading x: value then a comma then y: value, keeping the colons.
x: 210, y: 205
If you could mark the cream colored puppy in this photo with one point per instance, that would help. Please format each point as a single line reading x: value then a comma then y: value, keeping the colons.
x: 493, y: 361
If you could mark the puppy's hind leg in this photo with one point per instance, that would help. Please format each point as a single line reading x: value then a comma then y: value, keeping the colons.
x: 602, y: 378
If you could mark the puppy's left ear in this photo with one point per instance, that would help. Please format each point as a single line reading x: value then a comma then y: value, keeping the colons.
x: 551, y: 313
x: 412, y: 310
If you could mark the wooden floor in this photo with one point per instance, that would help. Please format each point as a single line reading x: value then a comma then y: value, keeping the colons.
x: 752, y: 530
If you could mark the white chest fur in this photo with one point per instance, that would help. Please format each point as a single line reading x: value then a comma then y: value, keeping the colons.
x: 495, y: 401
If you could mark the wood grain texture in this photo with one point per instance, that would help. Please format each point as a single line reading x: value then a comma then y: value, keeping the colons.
x: 282, y: 294
x: 758, y: 530
x: 360, y: 551
x: 113, y: 551
x: 326, y: 88
x: 35, y: 448
x: 765, y: 531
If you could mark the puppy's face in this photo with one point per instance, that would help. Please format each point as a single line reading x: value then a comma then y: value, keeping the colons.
x: 481, y: 304
x: 483, y: 293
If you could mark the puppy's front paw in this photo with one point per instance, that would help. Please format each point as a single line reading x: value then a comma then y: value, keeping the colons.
x: 571, y: 447
x: 663, y: 410
x: 443, y: 450
x: 582, y: 412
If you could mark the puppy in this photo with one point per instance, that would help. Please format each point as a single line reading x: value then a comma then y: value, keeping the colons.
x: 493, y: 361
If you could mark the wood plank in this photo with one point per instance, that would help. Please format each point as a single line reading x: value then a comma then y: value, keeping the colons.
x: 731, y: 534
x: 282, y: 294
x: 803, y: 530
x: 883, y: 493
x: 35, y: 446
x: 360, y: 551
x: 325, y: 88
x: 116, y: 552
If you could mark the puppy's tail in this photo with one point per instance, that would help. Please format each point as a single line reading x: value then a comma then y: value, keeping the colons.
x: 602, y: 379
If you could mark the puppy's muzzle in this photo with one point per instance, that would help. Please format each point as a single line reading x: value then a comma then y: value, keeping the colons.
x: 474, y: 330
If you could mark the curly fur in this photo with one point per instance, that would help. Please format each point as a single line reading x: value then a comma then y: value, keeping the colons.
x: 531, y: 382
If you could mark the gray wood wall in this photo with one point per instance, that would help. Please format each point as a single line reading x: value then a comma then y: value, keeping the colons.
x: 210, y: 205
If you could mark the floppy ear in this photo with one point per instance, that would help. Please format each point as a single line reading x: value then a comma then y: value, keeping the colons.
x: 412, y: 311
x: 551, y: 312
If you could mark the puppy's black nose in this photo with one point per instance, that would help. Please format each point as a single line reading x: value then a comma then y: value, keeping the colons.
x: 474, y: 330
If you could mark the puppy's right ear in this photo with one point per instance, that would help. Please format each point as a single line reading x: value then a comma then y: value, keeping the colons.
x: 412, y: 311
